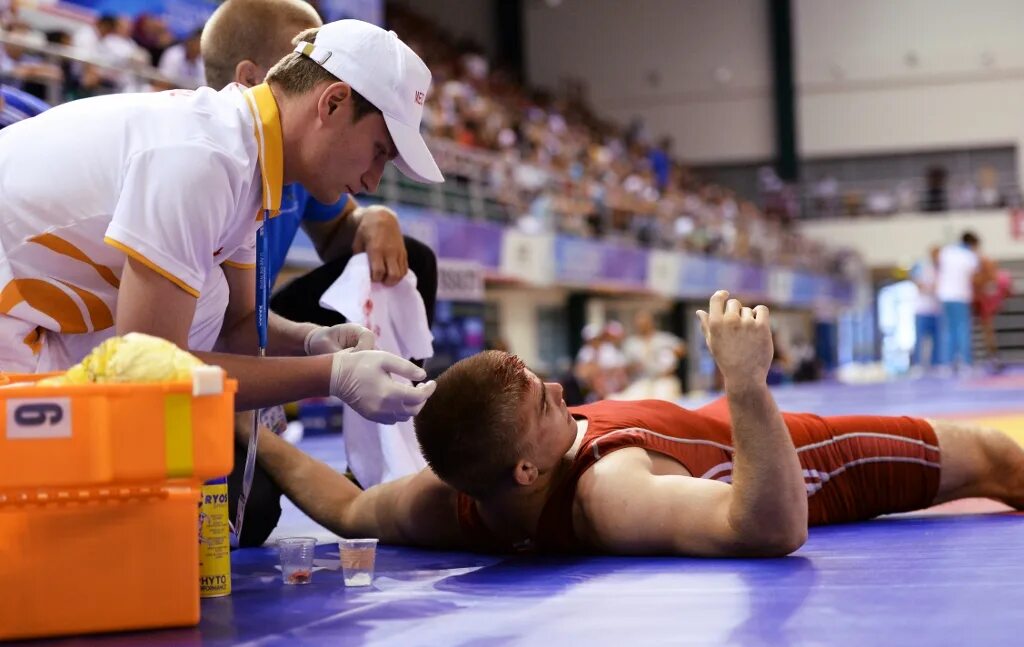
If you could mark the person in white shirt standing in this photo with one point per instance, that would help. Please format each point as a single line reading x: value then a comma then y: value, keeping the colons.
x: 652, y: 358
x: 954, y: 288
x: 926, y: 310
x: 139, y: 213
x: 183, y: 62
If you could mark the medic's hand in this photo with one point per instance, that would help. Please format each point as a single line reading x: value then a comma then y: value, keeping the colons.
x: 331, y: 339
x: 365, y: 380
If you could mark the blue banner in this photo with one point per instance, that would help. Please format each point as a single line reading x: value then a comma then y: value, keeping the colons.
x: 584, y: 262
x: 625, y: 265
x: 469, y: 240
x: 577, y: 260
x: 698, y: 276
x: 753, y: 281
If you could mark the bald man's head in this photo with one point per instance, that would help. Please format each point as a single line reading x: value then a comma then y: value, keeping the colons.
x: 244, y: 38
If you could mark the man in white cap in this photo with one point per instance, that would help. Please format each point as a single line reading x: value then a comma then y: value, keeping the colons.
x: 139, y: 212
x: 241, y: 41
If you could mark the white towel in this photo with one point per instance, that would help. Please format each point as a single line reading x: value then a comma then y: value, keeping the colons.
x: 380, y: 453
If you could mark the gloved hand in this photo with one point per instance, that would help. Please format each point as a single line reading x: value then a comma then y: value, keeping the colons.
x: 363, y: 380
x: 330, y: 339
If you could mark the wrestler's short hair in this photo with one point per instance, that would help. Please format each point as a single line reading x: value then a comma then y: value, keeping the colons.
x: 469, y: 429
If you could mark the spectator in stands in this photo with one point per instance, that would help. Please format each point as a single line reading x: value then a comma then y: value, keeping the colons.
x: 600, y: 367
x: 825, y: 195
x: 24, y: 70
x: 153, y: 35
x: 989, y: 195
x: 926, y: 311
x: 805, y: 364
x: 660, y: 159
x: 965, y: 194
x: 87, y: 39
x: 585, y: 365
x: 907, y: 198
x: 183, y: 62
x: 935, y: 190
x: 954, y: 287
x: 610, y: 360
x: 110, y: 42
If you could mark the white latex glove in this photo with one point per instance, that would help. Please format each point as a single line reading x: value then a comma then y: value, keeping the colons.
x: 330, y: 339
x: 363, y: 380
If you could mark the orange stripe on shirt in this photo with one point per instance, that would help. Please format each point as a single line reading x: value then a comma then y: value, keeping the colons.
x: 240, y: 266
x: 48, y: 299
x: 34, y: 340
x: 151, y: 265
x: 100, y: 314
x: 63, y: 247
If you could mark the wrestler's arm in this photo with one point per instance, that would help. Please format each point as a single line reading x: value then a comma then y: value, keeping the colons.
x: 417, y: 510
x: 629, y: 510
x: 762, y: 513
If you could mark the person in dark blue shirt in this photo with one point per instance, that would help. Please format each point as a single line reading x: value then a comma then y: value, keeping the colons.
x: 241, y: 41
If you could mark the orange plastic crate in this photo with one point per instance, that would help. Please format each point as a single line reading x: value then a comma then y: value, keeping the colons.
x: 99, y: 488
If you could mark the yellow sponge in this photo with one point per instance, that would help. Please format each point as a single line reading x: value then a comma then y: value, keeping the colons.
x: 134, y: 357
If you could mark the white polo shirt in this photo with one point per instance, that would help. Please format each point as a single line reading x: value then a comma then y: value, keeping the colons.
x: 176, y: 180
x: 954, y: 278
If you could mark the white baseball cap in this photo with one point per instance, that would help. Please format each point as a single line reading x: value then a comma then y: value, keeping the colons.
x: 384, y: 70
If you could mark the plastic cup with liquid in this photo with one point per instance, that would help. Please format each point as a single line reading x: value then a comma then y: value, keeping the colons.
x: 357, y: 560
x: 296, y: 555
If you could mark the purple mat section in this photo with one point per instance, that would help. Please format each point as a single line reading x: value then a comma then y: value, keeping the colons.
x: 901, y: 581
x: 924, y: 581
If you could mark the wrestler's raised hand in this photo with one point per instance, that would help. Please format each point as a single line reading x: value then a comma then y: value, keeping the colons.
x: 740, y: 338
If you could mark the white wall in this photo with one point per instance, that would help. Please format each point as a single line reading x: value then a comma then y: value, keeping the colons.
x: 517, y: 319
x: 902, y: 240
x: 898, y: 75
x: 620, y: 47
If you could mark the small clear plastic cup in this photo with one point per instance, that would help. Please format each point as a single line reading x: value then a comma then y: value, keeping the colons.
x: 358, y: 557
x: 296, y: 555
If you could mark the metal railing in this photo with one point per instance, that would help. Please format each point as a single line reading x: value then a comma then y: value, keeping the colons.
x: 56, y: 54
x: 885, y: 197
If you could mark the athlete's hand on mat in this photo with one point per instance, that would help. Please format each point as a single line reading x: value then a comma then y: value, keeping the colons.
x: 330, y: 339
x: 364, y: 381
x: 379, y: 235
x: 740, y: 338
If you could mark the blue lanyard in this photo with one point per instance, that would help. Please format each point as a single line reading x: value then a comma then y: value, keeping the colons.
x: 262, y: 283
x: 262, y: 312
